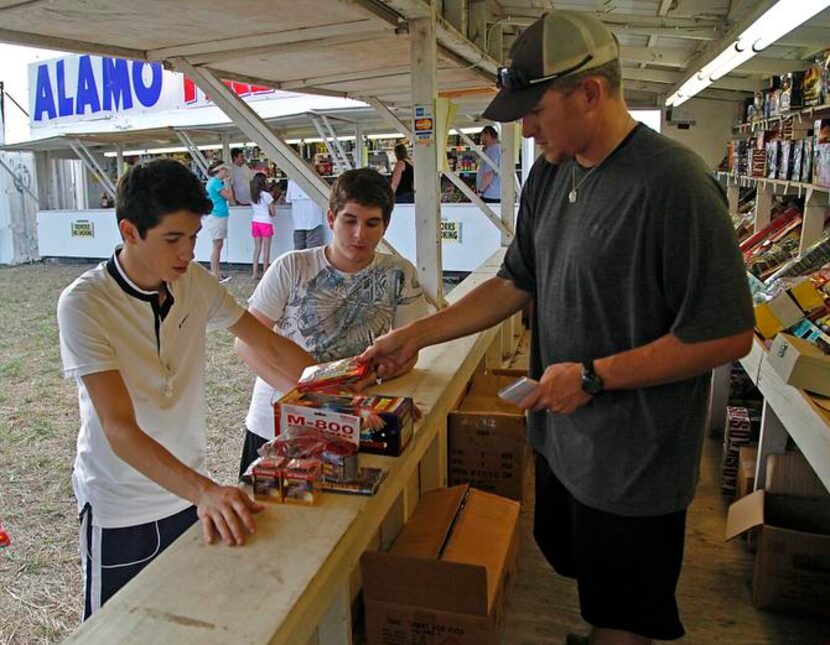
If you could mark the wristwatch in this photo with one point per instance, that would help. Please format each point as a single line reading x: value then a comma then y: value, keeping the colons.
x: 591, y: 381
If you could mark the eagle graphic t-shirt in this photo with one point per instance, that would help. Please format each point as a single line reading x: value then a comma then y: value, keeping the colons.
x: 329, y: 313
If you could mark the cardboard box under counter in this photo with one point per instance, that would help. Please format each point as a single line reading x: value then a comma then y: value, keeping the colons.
x: 446, y: 577
x: 792, y: 562
x: 800, y: 363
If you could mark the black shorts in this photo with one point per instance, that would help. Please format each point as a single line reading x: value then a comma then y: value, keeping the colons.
x: 110, y: 558
x: 249, y: 450
x: 626, y: 568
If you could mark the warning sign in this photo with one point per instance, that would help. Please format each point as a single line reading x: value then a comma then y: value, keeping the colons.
x: 83, y: 228
x: 450, y: 231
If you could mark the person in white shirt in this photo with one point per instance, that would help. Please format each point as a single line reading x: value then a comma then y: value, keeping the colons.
x: 132, y: 335
x: 333, y: 300
x: 307, y: 216
x: 262, y: 228
x: 241, y: 177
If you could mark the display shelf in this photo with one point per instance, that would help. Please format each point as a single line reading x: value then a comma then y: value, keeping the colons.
x: 807, y: 423
x: 767, y: 122
x: 784, y: 186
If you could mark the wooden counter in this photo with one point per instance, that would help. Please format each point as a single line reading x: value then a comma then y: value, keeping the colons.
x: 295, y: 580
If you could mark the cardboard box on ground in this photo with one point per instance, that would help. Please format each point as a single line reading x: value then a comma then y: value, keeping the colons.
x: 446, y: 577
x: 792, y: 517
x: 487, y: 438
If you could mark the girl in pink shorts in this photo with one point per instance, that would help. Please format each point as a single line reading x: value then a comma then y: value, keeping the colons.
x: 262, y: 229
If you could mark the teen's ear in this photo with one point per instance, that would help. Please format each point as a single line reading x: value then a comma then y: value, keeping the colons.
x: 129, y: 232
x: 330, y: 215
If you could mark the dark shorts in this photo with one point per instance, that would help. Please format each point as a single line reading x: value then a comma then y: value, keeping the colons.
x: 626, y: 568
x: 110, y: 558
x: 249, y: 450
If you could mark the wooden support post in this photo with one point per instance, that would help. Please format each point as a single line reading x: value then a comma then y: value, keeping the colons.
x: 428, y: 206
x: 507, y: 180
x: 812, y: 224
x: 763, y: 207
x: 433, y: 466
x: 773, y: 441
x: 455, y: 13
x: 336, y: 626
x: 733, y: 192
x: 718, y: 398
x: 477, y: 26
x: 493, y: 358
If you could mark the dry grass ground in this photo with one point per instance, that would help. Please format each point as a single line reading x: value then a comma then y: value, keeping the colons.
x: 40, y: 578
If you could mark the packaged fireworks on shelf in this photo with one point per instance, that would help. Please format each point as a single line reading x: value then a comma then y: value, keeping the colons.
x: 266, y: 478
x: 785, y: 159
x: 300, y: 481
x: 813, y: 84
x: 813, y: 258
x: 379, y: 424
x: 798, y: 152
x: 773, y: 150
x: 333, y: 375
x: 821, y: 165
x: 807, y: 162
x: 365, y: 482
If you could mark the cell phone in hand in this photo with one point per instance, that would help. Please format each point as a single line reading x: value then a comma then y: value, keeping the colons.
x: 518, y: 390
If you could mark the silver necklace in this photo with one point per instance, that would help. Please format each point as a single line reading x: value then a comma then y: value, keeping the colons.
x: 574, y: 186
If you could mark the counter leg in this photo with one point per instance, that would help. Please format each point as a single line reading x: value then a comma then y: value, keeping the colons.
x: 773, y: 441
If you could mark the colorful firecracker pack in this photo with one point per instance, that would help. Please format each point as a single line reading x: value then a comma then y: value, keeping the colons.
x: 335, y: 374
x: 378, y: 424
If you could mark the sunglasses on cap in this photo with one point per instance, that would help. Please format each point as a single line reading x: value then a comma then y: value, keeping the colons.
x: 512, y: 78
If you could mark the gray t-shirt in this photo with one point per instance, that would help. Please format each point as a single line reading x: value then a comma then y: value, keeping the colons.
x: 647, y: 249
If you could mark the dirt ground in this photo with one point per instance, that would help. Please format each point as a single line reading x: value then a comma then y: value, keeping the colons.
x: 40, y: 577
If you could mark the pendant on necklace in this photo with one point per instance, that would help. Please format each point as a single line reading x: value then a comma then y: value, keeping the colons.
x: 572, y: 196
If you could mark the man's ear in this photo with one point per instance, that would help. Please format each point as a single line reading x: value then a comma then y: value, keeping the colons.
x: 330, y: 215
x: 593, y: 89
x: 129, y: 232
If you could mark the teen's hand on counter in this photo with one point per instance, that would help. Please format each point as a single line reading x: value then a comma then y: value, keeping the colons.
x: 560, y: 390
x: 226, y: 512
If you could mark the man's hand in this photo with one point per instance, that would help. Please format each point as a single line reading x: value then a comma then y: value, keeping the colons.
x: 560, y: 390
x: 392, y: 354
x: 226, y: 510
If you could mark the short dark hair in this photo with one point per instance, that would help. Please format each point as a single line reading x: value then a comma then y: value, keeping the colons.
x: 401, y: 152
x: 367, y: 187
x: 610, y: 72
x: 489, y: 129
x: 235, y: 152
x: 149, y: 191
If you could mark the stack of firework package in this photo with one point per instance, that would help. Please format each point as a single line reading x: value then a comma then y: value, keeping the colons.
x: 321, y: 427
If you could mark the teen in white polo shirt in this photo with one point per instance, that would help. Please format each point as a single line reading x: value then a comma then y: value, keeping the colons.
x: 132, y: 334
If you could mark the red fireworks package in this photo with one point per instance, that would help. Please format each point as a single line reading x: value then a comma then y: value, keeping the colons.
x: 333, y: 375
x: 4, y: 537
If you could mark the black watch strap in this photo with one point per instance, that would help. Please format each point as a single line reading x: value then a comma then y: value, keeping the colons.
x: 591, y: 381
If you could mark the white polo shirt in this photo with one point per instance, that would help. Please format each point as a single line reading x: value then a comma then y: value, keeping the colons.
x: 305, y: 212
x: 107, y: 323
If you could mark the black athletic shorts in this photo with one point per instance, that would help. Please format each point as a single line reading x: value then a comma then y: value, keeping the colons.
x: 110, y: 558
x: 249, y: 450
x: 626, y: 568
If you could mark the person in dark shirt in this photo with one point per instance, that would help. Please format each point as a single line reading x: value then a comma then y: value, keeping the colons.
x: 623, y: 240
x: 403, y: 176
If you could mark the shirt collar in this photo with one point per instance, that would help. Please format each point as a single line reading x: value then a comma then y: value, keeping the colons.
x: 129, y: 287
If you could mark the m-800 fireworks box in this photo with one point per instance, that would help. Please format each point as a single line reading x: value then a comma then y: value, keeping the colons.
x: 379, y: 424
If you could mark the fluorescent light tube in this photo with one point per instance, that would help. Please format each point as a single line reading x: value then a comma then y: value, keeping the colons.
x: 777, y: 21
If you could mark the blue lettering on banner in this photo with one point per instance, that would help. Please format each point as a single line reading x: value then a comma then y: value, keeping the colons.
x: 121, y: 85
x: 64, y: 103
x: 44, y: 99
x: 87, y: 94
x: 147, y: 96
x: 116, y: 79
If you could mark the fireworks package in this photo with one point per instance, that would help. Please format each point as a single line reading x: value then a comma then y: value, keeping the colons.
x: 378, y: 424
x: 333, y: 375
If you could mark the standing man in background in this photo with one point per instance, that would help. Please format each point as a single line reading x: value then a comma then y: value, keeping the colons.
x: 216, y: 223
x: 241, y: 177
x: 307, y: 217
x: 624, y: 241
x: 488, y: 184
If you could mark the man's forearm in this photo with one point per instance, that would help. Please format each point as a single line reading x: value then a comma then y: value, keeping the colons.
x: 669, y: 359
x: 487, y: 304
